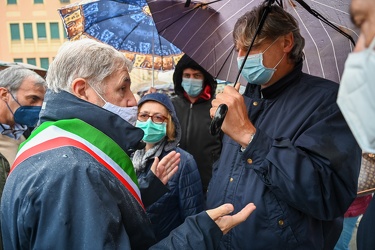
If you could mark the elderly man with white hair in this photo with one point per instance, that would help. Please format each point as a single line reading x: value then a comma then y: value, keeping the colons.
x: 73, y: 185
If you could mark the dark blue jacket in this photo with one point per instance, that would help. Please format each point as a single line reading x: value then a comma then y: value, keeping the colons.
x: 64, y: 198
x: 300, y: 170
x: 184, y: 198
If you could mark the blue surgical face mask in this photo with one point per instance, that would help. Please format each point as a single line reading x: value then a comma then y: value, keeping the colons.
x: 254, y: 71
x: 26, y: 115
x: 153, y: 132
x: 193, y: 87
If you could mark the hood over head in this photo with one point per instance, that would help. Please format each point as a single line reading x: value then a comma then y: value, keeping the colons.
x: 184, y: 63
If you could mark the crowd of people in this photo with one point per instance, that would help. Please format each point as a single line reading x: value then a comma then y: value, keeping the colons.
x: 101, y: 170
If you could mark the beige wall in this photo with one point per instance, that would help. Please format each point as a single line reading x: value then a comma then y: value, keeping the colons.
x: 25, y: 11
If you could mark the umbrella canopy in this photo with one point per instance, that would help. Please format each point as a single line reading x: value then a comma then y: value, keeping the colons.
x: 40, y: 71
x: 126, y: 25
x: 204, y: 32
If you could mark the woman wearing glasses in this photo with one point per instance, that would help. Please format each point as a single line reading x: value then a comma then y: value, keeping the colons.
x: 162, y: 133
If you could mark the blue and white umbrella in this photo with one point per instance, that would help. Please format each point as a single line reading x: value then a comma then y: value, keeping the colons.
x: 127, y: 25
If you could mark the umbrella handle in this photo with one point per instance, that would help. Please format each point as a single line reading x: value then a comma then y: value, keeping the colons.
x: 218, y: 119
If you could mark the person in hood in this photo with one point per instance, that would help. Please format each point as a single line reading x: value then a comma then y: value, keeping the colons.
x: 73, y: 185
x: 162, y: 132
x: 195, y: 89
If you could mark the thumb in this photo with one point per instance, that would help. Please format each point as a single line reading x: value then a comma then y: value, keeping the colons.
x: 154, y: 165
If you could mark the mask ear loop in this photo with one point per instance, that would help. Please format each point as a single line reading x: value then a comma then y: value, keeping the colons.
x: 14, y: 100
x: 222, y: 109
x: 97, y: 93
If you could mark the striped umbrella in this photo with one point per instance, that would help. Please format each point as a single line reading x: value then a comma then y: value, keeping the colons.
x: 203, y: 30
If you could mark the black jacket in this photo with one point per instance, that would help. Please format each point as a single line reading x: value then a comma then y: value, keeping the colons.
x: 195, y: 121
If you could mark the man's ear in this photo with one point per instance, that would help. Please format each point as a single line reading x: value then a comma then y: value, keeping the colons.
x: 79, y: 88
x: 4, y: 94
x: 288, y: 42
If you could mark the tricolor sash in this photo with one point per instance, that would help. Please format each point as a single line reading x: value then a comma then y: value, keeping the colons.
x: 76, y: 133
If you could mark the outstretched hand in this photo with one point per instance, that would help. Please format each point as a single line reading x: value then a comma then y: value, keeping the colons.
x: 226, y: 222
x: 167, y: 167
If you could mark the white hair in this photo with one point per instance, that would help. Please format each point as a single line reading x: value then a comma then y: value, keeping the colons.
x: 87, y: 59
x: 12, y: 78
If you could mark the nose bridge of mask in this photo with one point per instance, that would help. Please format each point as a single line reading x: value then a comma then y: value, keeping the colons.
x: 194, y: 81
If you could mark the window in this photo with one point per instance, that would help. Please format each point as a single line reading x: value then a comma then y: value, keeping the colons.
x: 41, y: 28
x: 15, y: 31
x: 11, y: 1
x: 28, y: 31
x: 44, y: 63
x: 64, y: 1
x: 18, y: 60
x: 54, y: 27
x: 31, y: 61
x: 38, y: 1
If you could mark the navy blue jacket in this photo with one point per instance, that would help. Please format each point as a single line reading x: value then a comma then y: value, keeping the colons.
x: 300, y: 170
x: 184, y: 198
x: 63, y: 198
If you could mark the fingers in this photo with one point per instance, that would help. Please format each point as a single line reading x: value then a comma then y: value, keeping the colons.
x: 237, y: 86
x: 226, y: 222
x: 220, y: 211
x: 167, y: 167
x: 242, y: 215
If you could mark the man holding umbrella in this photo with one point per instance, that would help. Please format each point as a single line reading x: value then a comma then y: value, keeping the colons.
x: 287, y: 146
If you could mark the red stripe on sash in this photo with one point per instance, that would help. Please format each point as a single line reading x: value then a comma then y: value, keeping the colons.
x: 65, y: 141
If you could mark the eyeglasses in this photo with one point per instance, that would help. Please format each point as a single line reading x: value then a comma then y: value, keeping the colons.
x: 156, y: 118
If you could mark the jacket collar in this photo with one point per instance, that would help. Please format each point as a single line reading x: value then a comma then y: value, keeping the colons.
x: 275, y: 89
x: 63, y: 105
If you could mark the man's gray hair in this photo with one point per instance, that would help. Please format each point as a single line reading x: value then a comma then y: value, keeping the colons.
x: 12, y: 77
x: 277, y: 23
x: 87, y: 59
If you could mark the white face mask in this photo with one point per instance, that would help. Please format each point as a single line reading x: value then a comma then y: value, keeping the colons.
x: 128, y: 114
x: 356, y: 97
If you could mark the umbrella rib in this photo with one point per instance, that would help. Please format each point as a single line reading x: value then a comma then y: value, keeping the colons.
x: 234, y: 15
x: 188, y: 12
x: 333, y: 50
x: 323, y: 19
x: 312, y: 39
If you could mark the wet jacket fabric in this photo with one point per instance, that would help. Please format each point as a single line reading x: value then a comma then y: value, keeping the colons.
x: 64, y: 198
x: 184, y: 198
x: 300, y: 170
x: 195, y: 121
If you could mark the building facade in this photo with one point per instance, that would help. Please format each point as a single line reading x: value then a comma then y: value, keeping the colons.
x: 31, y: 31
